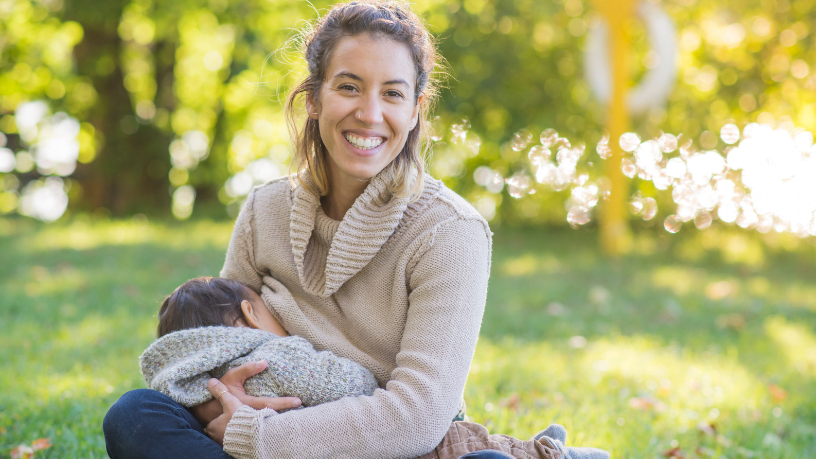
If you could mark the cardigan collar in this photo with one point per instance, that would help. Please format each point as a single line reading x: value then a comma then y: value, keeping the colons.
x: 364, y: 229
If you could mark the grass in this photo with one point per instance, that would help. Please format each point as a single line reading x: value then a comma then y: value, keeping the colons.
x: 705, y: 342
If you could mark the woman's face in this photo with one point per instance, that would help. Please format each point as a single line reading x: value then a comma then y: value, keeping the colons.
x: 366, y: 105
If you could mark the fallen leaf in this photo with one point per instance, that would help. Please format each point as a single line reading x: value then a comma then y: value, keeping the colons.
x: 777, y: 393
x: 511, y: 402
x: 646, y: 403
x: 41, y: 443
x: 733, y: 321
x: 719, y: 290
x: 674, y: 453
x: 707, y: 428
x: 22, y: 452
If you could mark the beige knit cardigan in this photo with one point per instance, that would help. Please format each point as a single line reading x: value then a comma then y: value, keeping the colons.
x: 398, y: 287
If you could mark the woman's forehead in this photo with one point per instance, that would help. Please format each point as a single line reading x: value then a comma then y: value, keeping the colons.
x: 379, y: 59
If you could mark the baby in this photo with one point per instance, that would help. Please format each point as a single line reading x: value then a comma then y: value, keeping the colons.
x: 210, y: 325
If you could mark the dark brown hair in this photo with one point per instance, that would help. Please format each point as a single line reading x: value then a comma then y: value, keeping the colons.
x: 202, y: 302
x: 381, y: 19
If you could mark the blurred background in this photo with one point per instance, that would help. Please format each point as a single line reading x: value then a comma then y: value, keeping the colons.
x: 132, y: 131
x: 171, y: 110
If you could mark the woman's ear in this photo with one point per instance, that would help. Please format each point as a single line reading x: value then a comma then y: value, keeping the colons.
x: 311, y: 107
x: 249, y: 315
x: 415, y: 115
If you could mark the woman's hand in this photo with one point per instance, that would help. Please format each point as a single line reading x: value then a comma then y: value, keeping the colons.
x: 233, y: 381
x: 229, y: 404
x: 207, y: 411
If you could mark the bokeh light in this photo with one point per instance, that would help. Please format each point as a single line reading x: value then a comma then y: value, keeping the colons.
x: 766, y: 180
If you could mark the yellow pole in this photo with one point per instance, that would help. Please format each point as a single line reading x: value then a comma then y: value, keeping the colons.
x: 615, y: 236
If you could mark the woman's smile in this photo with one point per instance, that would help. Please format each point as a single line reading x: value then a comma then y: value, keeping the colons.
x: 363, y: 144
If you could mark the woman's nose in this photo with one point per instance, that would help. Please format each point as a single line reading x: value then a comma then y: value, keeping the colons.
x: 369, y: 111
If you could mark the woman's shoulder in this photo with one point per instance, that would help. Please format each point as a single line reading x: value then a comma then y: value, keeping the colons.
x: 276, y: 190
x: 273, y: 200
x: 437, y: 206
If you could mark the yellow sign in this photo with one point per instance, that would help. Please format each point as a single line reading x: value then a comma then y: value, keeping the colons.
x: 615, y: 237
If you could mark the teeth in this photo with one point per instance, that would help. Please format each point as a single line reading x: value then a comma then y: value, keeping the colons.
x: 364, y: 143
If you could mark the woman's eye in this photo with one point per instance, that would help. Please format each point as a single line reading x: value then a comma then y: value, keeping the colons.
x: 346, y: 87
x: 394, y: 93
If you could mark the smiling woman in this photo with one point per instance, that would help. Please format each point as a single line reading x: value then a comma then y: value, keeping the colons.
x: 370, y: 80
x: 359, y: 252
x: 365, y: 110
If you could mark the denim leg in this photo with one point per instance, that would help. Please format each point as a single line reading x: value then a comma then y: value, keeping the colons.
x: 146, y: 424
x: 486, y: 454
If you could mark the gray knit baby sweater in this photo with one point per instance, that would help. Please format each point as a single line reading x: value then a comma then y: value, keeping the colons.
x: 179, y: 365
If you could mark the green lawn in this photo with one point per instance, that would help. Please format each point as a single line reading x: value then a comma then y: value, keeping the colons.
x: 705, y: 342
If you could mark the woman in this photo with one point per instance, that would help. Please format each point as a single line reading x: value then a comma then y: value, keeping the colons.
x: 361, y: 253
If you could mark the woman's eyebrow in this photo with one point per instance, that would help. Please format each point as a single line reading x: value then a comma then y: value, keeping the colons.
x: 348, y: 75
x: 357, y: 78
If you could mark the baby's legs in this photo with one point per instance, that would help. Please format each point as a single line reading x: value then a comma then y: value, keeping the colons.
x: 556, y: 435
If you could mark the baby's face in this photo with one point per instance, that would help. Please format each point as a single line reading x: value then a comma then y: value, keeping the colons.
x: 266, y: 321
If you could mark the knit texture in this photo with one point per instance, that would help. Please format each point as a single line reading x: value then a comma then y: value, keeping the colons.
x: 466, y: 437
x: 398, y: 286
x: 179, y: 365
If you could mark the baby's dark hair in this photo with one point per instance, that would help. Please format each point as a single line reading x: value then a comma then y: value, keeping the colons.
x: 202, y: 302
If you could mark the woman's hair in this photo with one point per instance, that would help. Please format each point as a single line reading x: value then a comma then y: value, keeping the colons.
x: 380, y: 19
x: 202, y: 302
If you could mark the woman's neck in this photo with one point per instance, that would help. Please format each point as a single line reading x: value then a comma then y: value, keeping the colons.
x: 343, y: 191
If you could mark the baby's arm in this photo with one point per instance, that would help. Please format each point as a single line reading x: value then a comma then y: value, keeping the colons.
x: 296, y: 369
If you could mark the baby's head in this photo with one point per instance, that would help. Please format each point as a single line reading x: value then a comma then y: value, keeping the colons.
x: 212, y: 301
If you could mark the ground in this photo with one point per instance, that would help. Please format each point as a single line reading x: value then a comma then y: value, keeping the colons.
x: 694, y: 345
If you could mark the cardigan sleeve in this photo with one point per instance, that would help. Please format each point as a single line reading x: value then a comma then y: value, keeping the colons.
x: 448, y: 287
x: 240, y: 261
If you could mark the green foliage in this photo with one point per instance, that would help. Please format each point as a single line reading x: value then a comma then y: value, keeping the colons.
x: 141, y: 74
x: 685, y: 331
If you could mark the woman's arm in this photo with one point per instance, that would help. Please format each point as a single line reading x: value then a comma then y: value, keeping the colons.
x: 234, y: 380
x: 240, y: 261
x: 296, y: 369
x: 447, y: 295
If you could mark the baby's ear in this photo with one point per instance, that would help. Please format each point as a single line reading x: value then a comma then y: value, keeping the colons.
x: 249, y: 317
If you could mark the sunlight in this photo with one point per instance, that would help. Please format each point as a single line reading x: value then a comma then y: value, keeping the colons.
x: 529, y: 264
x: 89, y: 332
x: 77, y: 383
x: 83, y: 235
x: 613, y: 380
x: 42, y: 281
x: 797, y: 343
x: 677, y: 279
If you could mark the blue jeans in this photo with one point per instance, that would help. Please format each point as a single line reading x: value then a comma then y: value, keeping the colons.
x: 146, y: 424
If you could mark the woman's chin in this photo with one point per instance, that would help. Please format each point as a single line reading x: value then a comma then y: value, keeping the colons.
x: 364, y: 168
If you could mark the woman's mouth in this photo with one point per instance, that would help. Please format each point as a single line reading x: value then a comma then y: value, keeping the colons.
x: 363, y: 143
